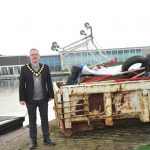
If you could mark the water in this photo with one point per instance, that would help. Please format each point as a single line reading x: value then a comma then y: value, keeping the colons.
x: 9, y: 101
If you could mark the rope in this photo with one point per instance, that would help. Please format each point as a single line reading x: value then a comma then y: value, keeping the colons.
x: 105, y: 77
x: 87, y: 44
x: 77, y: 46
x: 100, y: 50
x: 99, y: 78
x: 132, y: 79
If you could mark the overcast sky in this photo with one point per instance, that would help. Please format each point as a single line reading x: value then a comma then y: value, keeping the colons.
x: 26, y: 24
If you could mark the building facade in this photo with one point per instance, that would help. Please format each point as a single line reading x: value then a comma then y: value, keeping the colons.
x: 11, y: 65
x: 91, y: 57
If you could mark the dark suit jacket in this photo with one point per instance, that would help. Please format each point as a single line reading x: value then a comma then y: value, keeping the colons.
x: 26, y: 84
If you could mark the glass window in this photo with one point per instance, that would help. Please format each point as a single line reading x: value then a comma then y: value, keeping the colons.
x: 96, y: 53
x: 138, y: 50
x: 78, y: 54
x: 4, y: 71
x: 108, y: 52
x: 114, y: 52
x: 126, y: 51
x: 120, y: 51
x: 57, y: 59
x: 10, y: 70
x: 84, y: 54
x: 16, y: 70
x: 71, y: 54
x: 132, y: 51
x: 54, y: 62
x: 103, y: 52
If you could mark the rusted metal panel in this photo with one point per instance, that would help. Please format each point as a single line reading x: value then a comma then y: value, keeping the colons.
x: 144, y: 107
x: 67, y: 109
x: 104, y: 87
x: 101, y: 103
x: 108, y: 109
x: 127, y: 102
x: 58, y: 107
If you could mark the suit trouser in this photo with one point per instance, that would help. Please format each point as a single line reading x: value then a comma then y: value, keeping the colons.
x: 43, y: 109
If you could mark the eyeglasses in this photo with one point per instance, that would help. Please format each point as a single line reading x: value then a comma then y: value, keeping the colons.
x: 34, y: 54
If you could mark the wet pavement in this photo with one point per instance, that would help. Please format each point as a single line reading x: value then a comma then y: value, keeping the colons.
x: 111, y: 138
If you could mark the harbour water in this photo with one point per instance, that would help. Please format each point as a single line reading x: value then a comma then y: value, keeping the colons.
x: 9, y: 100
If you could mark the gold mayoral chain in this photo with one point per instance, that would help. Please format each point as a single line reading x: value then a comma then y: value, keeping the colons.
x: 36, y: 73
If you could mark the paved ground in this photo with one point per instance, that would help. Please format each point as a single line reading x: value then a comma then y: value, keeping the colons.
x: 117, y: 138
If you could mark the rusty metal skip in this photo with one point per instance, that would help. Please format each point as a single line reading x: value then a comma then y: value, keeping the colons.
x: 96, y: 105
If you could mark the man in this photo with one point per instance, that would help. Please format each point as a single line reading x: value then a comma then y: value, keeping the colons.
x: 35, y: 90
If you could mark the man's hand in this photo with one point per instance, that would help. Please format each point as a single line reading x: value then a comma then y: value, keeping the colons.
x: 22, y: 102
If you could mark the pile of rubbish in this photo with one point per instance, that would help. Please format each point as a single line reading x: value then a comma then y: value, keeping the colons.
x: 134, y: 68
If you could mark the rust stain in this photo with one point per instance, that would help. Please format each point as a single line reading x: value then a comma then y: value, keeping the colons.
x: 96, y: 102
x: 89, y: 109
x: 72, y: 92
x: 109, y: 121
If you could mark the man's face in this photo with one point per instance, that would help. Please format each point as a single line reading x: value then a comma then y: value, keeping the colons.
x: 34, y: 56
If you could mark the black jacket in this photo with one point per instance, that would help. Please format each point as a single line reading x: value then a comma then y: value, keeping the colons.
x: 26, y: 84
